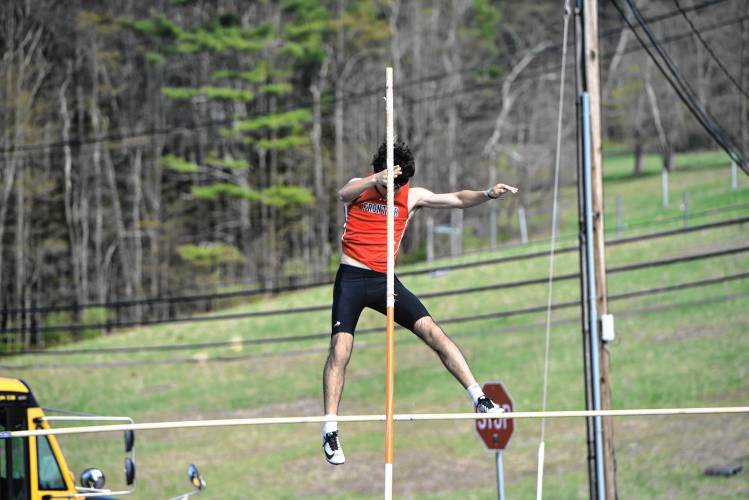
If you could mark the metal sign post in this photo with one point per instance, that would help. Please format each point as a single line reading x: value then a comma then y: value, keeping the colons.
x: 500, y: 477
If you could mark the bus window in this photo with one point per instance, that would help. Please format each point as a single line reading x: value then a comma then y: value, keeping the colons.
x: 13, y: 460
x: 50, y: 477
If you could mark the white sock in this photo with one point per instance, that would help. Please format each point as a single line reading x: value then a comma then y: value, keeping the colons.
x: 330, y: 425
x: 475, y: 392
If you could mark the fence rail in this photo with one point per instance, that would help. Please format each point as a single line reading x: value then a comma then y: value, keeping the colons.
x: 323, y: 335
x: 31, y: 328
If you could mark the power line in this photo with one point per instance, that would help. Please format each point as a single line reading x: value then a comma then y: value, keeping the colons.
x: 303, y: 279
x: 156, y: 131
x: 680, y: 86
x: 628, y: 226
x: 366, y: 331
x: 244, y: 293
x: 432, y: 269
x: 324, y: 307
x: 316, y: 336
x: 530, y: 75
x: 710, y: 49
x: 674, y: 13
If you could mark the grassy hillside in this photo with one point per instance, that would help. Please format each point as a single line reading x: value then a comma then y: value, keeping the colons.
x: 685, y: 348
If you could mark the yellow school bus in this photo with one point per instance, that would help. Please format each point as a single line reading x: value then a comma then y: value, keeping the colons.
x: 34, y: 468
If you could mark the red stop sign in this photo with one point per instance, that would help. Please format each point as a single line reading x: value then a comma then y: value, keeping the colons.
x: 496, y: 433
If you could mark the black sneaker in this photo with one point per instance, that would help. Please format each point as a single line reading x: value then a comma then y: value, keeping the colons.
x: 486, y: 405
x: 332, y: 449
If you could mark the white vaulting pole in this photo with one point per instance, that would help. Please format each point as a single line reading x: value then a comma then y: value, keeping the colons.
x: 390, y: 303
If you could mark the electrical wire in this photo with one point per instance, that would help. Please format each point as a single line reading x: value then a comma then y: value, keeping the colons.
x: 680, y: 86
x: 313, y: 350
x: 324, y: 307
x: 710, y: 49
x: 428, y: 270
x: 461, y: 291
x: 527, y: 76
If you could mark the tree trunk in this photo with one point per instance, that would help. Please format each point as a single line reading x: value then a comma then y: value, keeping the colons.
x: 662, y: 136
x: 137, y: 230
x: 21, y: 252
x: 265, y: 266
x: 418, y: 125
x: 452, y: 63
x: 9, y: 180
x: 154, y: 190
x: 245, y: 229
x: 119, y: 227
x: 616, y: 60
x: 81, y: 201
x: 274, y: 257
x: 70, y: 213
x: 25, y: 71
x: 638, y: 153
x: 338, y: 123
x: 638, y: 139
x: 321, y: 196
x: 395, y: 54
x: 492, y: 146
x: 101, y: 283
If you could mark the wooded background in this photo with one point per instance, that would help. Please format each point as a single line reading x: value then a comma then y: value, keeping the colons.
x: 156, y: 148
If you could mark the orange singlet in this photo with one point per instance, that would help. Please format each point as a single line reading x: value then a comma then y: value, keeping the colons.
x: 365, y: 229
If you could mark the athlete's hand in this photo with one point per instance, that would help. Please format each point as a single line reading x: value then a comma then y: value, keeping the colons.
x: 499, y: 190
x: 381, y: 177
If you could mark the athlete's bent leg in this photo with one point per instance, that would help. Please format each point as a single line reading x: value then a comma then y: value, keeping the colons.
x: 449, y: 353
x: 334, y: 373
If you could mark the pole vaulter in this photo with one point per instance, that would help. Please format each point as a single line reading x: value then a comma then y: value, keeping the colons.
x: 378, y: 209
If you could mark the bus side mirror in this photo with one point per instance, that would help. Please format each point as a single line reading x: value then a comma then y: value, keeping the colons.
x: 93, y: 479
x: 129, y: 441
x: 194, y: 475
x: 129, y: 471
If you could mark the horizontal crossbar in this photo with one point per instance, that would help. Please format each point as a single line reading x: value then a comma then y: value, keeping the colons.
x: 375, y: 418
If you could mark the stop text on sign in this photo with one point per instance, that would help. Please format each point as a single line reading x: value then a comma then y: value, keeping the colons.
x: 495, y: 433
x: 495, y: 423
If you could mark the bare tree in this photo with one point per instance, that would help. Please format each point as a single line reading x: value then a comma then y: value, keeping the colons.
x: 322, y: 219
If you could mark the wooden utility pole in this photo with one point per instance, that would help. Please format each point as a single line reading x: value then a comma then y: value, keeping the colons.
x: 592, y: 84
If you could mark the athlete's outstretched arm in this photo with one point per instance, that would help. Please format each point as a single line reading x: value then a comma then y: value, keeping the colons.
x: 357, y: 186
x: 459, y: 199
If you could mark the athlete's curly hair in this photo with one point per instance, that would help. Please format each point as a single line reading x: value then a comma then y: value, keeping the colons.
x: 402, y: 156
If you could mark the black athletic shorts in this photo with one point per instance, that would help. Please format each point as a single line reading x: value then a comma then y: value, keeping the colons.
x: 357, y: 288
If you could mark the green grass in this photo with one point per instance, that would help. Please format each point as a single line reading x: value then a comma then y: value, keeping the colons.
x: 683, y: 355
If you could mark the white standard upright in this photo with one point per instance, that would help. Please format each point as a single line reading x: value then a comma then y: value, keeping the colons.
x: 390, y: 338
